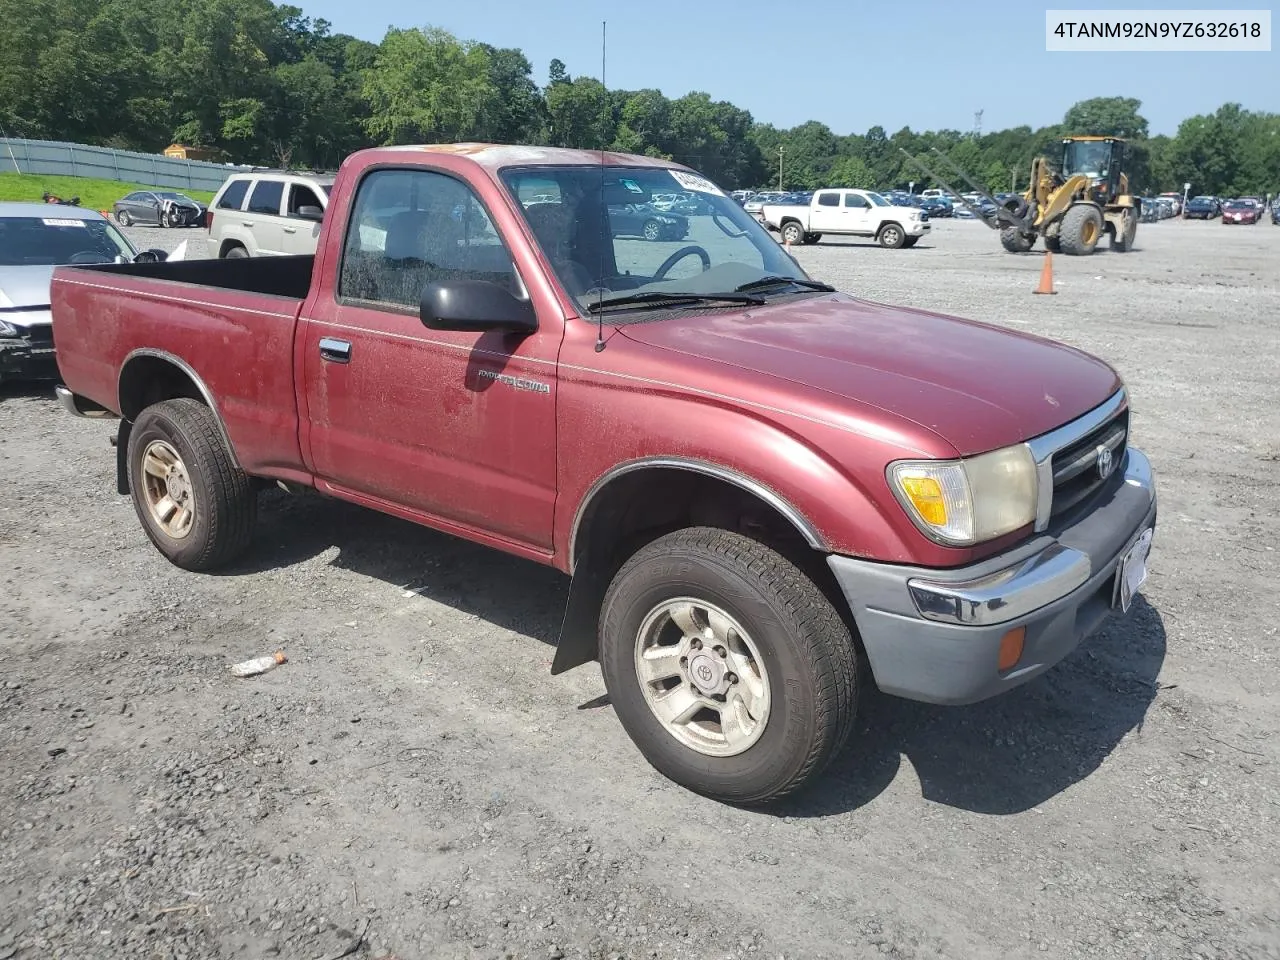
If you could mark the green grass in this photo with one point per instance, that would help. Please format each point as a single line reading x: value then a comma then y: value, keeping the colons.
x: 94, y: 194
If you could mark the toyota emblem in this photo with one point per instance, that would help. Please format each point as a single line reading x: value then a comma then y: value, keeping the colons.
x: 1105, y: 461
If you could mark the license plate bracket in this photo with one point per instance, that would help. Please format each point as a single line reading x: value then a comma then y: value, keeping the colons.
x: 1131, y: 572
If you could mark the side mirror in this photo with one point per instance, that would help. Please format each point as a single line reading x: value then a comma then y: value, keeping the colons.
x: 154, y: 255
x: 309, y: 212
x: 475, y: 306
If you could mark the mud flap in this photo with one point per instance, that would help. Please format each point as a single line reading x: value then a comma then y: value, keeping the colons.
x: 121, y: 444
x: 579, y: 632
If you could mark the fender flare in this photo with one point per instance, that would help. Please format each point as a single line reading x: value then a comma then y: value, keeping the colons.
x: 205, y: 393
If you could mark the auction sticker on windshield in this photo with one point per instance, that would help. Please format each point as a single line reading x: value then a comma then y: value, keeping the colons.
x: 691, y: 181
x: 62, y: 223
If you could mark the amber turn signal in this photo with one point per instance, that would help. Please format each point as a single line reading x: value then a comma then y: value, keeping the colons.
x: 1011, y: 648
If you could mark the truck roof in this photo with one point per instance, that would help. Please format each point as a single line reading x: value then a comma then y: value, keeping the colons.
x: 494, y: 156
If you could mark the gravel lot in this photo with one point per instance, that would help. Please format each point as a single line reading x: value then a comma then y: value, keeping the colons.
x: 413, y: 783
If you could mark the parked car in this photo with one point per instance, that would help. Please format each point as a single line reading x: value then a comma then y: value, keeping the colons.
x: 1149, y: 210
x: 1275, y: 211
x: 164, y: 208
x: 768, y: 494
x: 937, y: 207
x: 854, y: 213
x: 647, y: 221
x: 1241, y: 211
x: 34, y: 238
x: 1202, y: 208
x: 268, y: 214
x: 1175, y: 199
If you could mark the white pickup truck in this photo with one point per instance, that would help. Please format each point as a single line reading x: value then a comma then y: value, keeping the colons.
x: 852, y: 213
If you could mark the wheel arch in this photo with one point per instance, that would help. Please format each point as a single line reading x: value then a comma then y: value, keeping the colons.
x: 598, y: 497
x: 640, y: 500
x: 149, y: 376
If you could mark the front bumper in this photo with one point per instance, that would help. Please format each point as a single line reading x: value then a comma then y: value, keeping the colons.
x: 25, y: 358
x: 934, y: 635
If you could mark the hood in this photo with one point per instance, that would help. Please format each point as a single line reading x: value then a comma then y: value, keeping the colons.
x: 22, y: 287
x: 978, y: 387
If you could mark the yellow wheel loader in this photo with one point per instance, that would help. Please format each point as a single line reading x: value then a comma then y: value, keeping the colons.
x: 1072, y: 205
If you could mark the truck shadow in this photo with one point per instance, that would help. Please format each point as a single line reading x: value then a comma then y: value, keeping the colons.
x: 1011, y: 753
x: 507, y: 591
x: 1002, y: 756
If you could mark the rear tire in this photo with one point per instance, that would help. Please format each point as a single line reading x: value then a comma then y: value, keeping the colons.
x: 1081, y: 230
x: 123, y: 218
x: 1015, y: 241
x: 772, y: 640
x: 1123, y: 242
x: 892, y: 236
x: 652, y: 230
x: 197, y: 507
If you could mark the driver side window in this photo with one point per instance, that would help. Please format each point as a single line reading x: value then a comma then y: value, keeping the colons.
x: 409, y: 228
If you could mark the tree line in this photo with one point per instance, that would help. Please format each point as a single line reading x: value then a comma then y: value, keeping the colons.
x: 268, y: 85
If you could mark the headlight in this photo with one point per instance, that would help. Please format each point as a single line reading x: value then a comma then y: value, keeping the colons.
x: 8, y: 329
x: 963, y: 502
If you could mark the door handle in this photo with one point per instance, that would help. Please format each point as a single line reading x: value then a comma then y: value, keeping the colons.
x: 290, y: 229
x: 246, y: 223
x: 336, y: 351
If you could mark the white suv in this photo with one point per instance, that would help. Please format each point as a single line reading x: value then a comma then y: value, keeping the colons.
x: 268, y: 214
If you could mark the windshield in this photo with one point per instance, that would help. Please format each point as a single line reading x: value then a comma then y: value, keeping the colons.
x: 1088, y: 158
x: 35, y: 241
x: 631, y: 246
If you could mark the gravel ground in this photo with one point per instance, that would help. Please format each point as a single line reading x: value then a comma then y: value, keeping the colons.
x: 413, y: 783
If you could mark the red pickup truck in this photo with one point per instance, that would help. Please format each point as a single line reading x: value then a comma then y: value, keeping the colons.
x: 767, y: 493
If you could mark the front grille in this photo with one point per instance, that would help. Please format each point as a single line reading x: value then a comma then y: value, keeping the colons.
x: 40, y: 334
x: 1075, y: 467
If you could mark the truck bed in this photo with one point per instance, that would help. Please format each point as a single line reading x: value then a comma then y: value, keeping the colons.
x: 227, y: 325
x: 273, y: 276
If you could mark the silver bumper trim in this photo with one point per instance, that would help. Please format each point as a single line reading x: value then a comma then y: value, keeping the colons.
x: 1024, y: 587
x: 1007, y: 594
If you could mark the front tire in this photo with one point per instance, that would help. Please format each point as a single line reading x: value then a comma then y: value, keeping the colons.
x: 652, y: 230
x: 1081, y: 230
x: 235, y: 251
x: 197, y: 507
x: 892, y: 236
x: 1015, y: 241
x: 727, y: 666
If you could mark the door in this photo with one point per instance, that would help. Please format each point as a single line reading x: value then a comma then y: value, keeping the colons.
x: 263, y: 221
x: 300, y: 234
x: 824, y: 212
x: 454, y: 427
x: 856, y: 215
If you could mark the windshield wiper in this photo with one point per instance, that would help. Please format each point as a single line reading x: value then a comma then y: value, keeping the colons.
x: 774, y: 281
x: 672, y: 299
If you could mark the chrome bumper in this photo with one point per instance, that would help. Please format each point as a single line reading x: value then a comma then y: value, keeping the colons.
x: 79, y: 406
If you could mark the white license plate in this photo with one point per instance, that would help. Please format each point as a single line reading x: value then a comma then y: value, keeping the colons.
x: 1132, y: 572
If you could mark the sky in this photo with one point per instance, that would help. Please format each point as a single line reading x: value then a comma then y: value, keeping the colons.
x: 929, y: 65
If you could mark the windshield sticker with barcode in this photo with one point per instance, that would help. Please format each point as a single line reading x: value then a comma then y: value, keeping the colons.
x: 691, y: 181
x: 58, y: 222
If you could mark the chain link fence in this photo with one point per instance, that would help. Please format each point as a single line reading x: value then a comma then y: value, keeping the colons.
x: 55, y: 158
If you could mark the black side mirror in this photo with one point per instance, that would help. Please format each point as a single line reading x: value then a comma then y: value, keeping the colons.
x: 309, y: 212
x: 154, y: 255
x: 475, y: 305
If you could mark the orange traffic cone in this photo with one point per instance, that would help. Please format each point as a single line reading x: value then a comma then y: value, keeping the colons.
x: 1046, y: 275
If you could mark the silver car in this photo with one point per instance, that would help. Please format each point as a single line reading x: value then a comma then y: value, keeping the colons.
x: 34, y: 238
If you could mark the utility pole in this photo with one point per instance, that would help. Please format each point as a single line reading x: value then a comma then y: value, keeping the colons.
x: 779, y: 168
